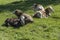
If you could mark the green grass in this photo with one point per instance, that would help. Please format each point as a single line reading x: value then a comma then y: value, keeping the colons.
x: 41, y: 29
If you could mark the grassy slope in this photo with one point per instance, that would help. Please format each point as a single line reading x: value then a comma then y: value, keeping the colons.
x: 41, y: 29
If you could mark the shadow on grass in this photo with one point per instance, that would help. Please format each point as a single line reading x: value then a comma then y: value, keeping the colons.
x: 25, y: 5
x: 14, y: 26
x: 56, y: 17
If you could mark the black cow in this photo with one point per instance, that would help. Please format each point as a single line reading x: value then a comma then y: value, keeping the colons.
x: 15, y: 21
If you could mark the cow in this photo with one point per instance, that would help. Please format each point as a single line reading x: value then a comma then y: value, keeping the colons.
x: 38, y: 7
x: 49, y: 10
x: 28, y: 18
x: 15, y: 21
x: 44, y: 14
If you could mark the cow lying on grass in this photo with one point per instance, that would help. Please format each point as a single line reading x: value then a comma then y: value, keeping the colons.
x: 38, y: 7
x: 28, y: 18
x: 15, y: 21
x: 49, y: 10
x: 44, y: 14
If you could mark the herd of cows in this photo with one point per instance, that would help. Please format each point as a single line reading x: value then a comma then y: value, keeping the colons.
x: 23, y: 18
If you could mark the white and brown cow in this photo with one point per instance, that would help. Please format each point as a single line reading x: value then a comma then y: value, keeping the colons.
x: 44, y: 14
x: 38, y: 7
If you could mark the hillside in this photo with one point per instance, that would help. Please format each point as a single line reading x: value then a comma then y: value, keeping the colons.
x: 41, y: 29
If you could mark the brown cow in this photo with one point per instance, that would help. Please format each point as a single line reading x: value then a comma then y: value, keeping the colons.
x: 28, y: 18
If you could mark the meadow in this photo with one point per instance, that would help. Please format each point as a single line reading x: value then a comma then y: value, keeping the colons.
x: 41, y: 29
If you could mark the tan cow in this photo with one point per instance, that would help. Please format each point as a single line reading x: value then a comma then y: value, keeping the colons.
x: 28, y: 18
